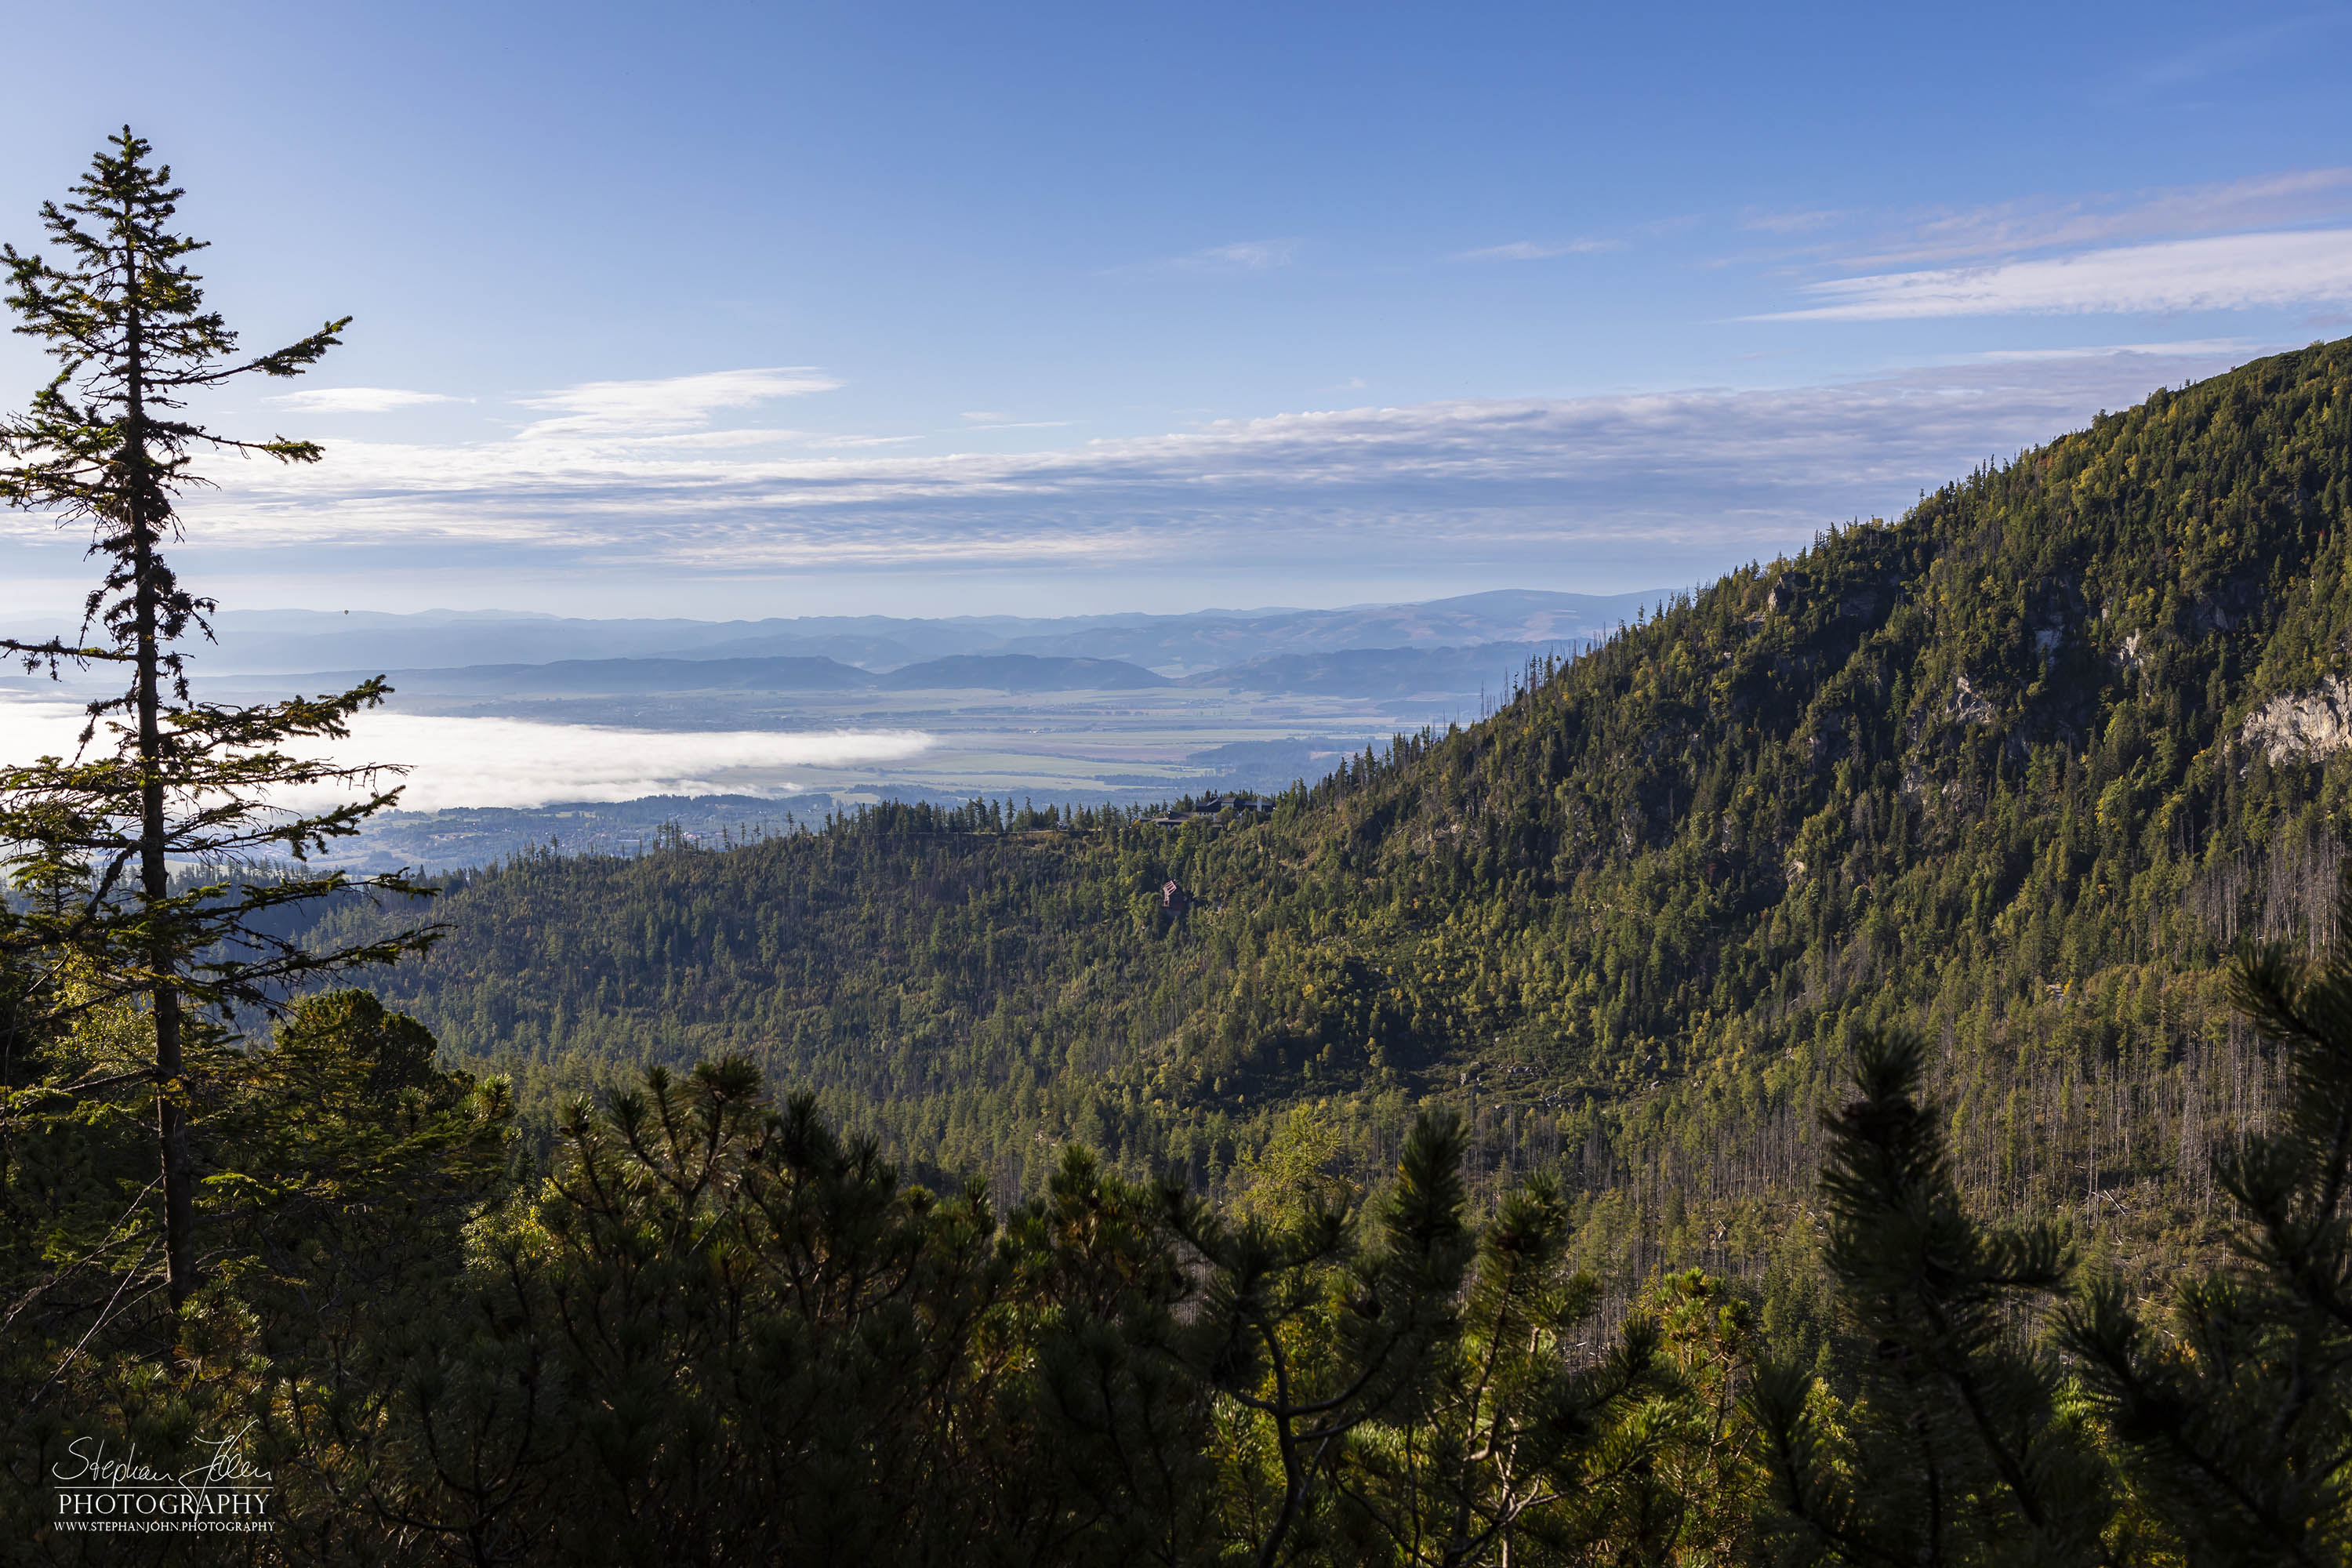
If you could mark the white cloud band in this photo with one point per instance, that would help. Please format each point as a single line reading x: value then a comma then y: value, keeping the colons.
x: 357, y: 399
x: 1495, y: 485
x: 2223, y: 273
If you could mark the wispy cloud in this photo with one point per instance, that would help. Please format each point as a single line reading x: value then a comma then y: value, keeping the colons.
x: 1791, y: 222
x: 2200, y: 347
x: 358, y: 399
x: 1241, y: 256
x: 2217, y: 53
x: 711, y: 440
x: 2226, y: 272
x: 1533, y: 485
x: 2020, y: 227
x: 1538, y: 250
x: 672, y: 403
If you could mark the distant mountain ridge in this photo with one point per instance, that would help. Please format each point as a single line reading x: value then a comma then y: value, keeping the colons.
x: 1390, y: 672
x: 484, y: 836
x: 1019, y: 672
x: 1381, y: 673
x: 602, y: 676
x: 256, y: 641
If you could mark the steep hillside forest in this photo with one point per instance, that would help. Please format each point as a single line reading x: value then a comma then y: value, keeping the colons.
x: 2017, y: 771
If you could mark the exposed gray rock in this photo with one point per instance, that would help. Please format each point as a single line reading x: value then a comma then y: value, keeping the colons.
x: 1967, y: 706
x: 2315, y: 723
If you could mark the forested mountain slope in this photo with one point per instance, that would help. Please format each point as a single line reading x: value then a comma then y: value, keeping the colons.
x: 2012, y: 771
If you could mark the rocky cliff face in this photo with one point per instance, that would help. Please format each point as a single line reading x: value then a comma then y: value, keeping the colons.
x: 2302, y: 725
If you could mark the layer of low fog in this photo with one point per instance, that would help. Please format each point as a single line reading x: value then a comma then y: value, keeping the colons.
x: 458, y: 762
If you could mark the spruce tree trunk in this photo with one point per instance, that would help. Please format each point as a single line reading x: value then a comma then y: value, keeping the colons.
x: 171, y: 1111
x: 177, y: 1162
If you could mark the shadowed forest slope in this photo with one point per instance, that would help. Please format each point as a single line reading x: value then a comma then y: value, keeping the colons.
x: 2014, y: 770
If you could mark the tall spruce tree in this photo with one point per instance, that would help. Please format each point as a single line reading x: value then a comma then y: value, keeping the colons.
x: 161, y: 781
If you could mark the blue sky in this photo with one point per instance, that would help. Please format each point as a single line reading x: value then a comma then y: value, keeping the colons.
x: 750, y: 309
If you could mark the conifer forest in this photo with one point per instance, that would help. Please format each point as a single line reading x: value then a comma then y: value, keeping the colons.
x: 1855, y: 1069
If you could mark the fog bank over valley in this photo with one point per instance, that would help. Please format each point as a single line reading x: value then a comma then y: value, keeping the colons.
x: 523, y: 730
